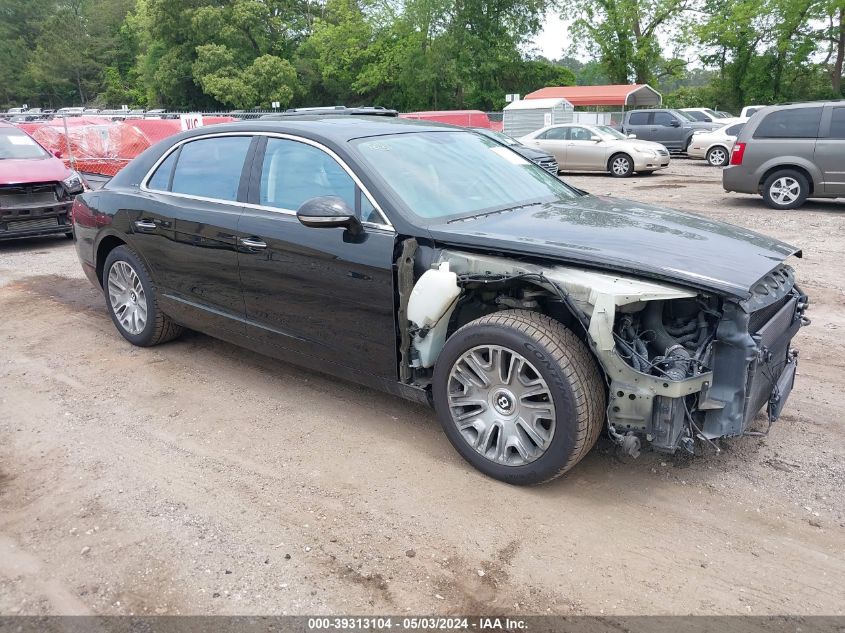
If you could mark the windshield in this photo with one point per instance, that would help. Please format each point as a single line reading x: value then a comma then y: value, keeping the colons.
x: 714, y: 114
x: 453, y: 174
x: 16, y: 144
x: 606, y: 130
x: 684, y: 115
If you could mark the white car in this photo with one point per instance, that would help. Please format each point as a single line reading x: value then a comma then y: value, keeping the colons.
x: 747, y: 111
x: 715, y: 147
x: 710, y: 116
x: 580, y: 147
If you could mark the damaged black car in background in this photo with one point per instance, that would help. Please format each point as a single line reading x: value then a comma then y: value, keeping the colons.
x: 441, y: 266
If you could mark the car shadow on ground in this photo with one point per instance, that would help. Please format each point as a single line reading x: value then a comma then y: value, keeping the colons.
x: 752, y: 202
x: 604, y: 466
x: 603, y: 174
x: 18, y: 245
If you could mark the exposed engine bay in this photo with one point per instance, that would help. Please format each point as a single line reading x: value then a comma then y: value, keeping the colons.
x: 681, y: 364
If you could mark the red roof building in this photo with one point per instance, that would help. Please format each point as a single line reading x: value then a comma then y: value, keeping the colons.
x: 625, y: 95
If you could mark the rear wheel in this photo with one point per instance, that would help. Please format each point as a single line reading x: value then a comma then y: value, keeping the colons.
x: 519, y: 396
x: 786, y: 189
x: 132, y: 301
x: 620, y: 166
x: 717, y: 156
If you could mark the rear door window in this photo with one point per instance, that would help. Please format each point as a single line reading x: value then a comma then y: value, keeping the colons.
x: 555, y: 134
x: 790, y: 123
x: 638, y: 118
x: 211, y: 167
x: 837, y: 123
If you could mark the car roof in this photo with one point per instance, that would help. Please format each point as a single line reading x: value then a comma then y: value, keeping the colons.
x: 338, y: 129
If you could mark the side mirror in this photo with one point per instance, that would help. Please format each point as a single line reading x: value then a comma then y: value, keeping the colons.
x: 595, y: 138
x: 632, y: 136
x: 675, y: 123
x: 57, y: 154
x: 328, y: 212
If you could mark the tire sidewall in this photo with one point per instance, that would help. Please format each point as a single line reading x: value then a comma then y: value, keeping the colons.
x: 630, y: 165
x: 789, y: 173
x: 563, y: 442
x: 124, y: 253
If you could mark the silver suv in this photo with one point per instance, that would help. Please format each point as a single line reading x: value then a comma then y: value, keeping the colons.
x: 789, y: 153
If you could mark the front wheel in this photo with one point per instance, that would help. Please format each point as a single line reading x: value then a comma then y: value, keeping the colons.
x: 786, y: 189
x: 519, y: 396
x: 132, y: 301
x: 621, y: 166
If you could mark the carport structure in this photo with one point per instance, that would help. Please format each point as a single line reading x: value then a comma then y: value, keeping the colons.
x: 625, y: 95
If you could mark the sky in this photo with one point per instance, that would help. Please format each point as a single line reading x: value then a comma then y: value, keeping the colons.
x: 553, y: 40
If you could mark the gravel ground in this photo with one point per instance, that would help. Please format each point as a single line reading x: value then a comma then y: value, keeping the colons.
x: 200, y: 478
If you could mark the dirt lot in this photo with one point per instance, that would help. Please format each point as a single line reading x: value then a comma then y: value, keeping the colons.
x: 200, y: 478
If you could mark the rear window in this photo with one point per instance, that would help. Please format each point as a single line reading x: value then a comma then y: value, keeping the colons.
x: 638, y: 118
x: 790, y: 123
x: 734, y: 130
x: 211, y: 167
x: 837, y: 123
x: 15, y: 144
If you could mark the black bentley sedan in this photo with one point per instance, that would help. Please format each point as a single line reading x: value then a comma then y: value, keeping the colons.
x: 442, y: 266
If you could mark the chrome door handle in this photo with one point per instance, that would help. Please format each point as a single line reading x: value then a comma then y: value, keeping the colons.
x: 251, y: 243
x: 145, y: 224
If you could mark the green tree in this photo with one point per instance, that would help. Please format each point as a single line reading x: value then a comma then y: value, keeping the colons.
x: 623, y: 35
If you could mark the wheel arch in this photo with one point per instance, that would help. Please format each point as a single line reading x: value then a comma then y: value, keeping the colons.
x: 617, y: 153
x: 549, y: 305
x: 796, y: 165
x: 105, y: 246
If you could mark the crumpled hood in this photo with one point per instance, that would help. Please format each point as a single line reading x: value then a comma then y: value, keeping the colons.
x: 625, y: 236
x: 15, y: 171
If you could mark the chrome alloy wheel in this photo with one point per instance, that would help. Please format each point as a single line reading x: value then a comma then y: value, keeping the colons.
x: 717, y: 157
x: 127, y: 297
x: 785, y: 190
x: 501, y: 405
x: 620, y: 166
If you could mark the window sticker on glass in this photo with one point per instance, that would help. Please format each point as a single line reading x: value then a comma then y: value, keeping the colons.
x: 20, y: 140
x: 509, y: 155
x: 379, y: 147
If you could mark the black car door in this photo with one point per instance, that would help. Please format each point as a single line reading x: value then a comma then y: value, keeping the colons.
x: 318, y: 292
x: 186, y: 229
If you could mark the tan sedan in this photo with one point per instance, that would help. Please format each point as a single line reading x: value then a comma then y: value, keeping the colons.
x: 580, y: 147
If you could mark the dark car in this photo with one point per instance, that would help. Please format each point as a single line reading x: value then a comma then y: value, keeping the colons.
x: 671, y: 128
x: 543, y: 159
x: 36, y: 188
x: 441, y: 266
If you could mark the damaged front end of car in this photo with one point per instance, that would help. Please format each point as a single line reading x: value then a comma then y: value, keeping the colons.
x: 681, y: 364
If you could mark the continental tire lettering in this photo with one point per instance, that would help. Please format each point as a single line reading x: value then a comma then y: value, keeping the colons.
x: 550, y: 365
